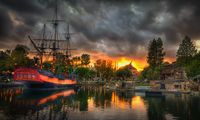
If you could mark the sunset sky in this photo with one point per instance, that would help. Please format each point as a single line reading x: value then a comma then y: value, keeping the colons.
x: 119, y: 30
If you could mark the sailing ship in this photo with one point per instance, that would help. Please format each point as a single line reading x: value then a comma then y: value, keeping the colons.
x: 37, y: 78
x: 41, y: 79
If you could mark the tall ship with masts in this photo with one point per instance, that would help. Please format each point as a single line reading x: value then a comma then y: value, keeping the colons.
x: 38, y: 78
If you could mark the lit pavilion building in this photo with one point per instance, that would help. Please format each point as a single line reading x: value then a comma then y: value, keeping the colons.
x: 133, y: 70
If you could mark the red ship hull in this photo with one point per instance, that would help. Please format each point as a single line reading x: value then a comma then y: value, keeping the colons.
x: 40, y: 79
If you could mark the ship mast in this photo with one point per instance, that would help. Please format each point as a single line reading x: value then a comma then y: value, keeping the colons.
x: 68, y: 48
x: 43, y: 45
x: 55, y: 22
x: 53, y: 42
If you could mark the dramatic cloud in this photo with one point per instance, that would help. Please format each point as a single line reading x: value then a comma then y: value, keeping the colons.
x: 113, y: 27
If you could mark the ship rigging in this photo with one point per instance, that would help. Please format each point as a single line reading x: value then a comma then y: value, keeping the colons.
x: 38, y: 78
x: 52, y: 46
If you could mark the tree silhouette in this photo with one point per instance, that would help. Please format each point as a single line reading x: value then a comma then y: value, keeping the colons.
x: 186, y: 51
x: 155, y: 53
x: 85, y: 59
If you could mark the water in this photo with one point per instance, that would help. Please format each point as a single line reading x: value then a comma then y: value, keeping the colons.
x: 95, y: 103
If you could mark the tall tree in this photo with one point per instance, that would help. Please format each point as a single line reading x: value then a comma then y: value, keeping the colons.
x: 85, y: 59
x: 160, y: 53
x: 186, y: 51
x: 155, y: 53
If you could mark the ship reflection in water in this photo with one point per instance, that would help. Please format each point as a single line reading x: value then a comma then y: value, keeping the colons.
x: 95, y: 103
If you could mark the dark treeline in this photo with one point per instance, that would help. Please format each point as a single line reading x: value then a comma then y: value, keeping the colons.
x: 77, y: 66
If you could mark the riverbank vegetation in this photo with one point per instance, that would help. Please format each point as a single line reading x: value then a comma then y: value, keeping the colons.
x: 104, y: 70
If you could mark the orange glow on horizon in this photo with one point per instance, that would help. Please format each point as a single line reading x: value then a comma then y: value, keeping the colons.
x: 138, y: 63
x: 121, y: 62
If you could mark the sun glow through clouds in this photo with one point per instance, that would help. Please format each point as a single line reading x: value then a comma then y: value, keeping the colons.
x: 125, y: 61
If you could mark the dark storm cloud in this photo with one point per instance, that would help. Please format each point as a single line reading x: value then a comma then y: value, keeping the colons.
x: 17, y: 18
x: 23, y: 6
x: 5, y: 24
x: 116, y: 27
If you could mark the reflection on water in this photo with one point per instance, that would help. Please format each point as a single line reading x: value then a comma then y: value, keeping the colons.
x: 95, y: 103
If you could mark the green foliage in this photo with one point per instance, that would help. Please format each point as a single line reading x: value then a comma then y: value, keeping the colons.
x: 46, y: 66
x: 150, y: 73
x: 69, y: 69
x: 84, y: 73
x: 91, y: 74
x: 104, y: 69
x: 124, y: 73
x: 85, y: 59
x: 186, y: 51
x: 155, y: 53
x: 193, y: 68
x: 60, y: 68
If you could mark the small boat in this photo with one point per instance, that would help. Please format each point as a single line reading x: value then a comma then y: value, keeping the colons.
x: 38, y: 79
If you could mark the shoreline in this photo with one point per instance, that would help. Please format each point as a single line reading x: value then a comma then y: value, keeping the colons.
x: 17, y: 84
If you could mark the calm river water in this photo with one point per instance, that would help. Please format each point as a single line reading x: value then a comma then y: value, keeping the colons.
x: 95, y: 103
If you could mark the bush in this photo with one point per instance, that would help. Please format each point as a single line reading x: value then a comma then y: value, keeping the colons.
x: 150, y: 73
